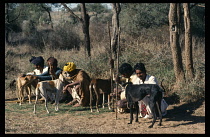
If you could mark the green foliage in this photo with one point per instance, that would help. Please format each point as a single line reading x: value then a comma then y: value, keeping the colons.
x: 198, y: 21
x: 28, y: 12
x: 136, y: 16
x: 96, y: 7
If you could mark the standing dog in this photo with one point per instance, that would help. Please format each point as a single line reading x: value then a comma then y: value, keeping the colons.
x: 100, y: 86
x: 135, y: 93
x: 53, y: 86
x: 25, y: 82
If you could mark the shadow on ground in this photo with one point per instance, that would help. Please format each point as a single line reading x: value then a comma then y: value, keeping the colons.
x: 184, y: 113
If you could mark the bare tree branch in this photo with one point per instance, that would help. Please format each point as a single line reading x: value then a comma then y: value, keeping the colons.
x: 201, y: 6
x: 47, y: 10
x: 16, y: 17
x: 71, y: 12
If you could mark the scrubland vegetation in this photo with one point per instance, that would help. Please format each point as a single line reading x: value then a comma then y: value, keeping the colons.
x: 144, y: 38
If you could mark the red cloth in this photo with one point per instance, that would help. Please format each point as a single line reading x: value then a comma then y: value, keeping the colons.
x: 144, y: 110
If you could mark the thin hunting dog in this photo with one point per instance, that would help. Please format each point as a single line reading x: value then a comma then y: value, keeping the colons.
x: 135, y: 93
x: 25, y: 82
x: 100, y: 86
x: 53, y: 86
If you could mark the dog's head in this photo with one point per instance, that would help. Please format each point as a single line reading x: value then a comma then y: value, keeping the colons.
x: 123, y: 86
x: 27, y: 79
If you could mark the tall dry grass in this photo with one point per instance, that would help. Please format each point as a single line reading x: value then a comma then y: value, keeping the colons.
x: 151, y: 48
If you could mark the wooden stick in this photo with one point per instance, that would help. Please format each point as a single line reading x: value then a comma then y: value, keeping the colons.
x: 118, y: 50
x: 111, y: 67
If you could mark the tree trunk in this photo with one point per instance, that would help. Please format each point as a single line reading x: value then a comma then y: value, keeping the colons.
x: 188, y: 43
x: 175, y: 48
x: 85, y: 26
x: 115, y: 26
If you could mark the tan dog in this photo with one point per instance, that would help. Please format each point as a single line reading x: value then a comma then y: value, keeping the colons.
x: 25, y: 82
x: 100, y: 86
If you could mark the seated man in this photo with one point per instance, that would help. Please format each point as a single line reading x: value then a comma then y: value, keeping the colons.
x: 144, y: 78
x: 127, y: 75
x: 79, y: 86
x: 41, y: 71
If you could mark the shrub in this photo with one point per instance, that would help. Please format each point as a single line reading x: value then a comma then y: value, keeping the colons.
x: 64, y: 37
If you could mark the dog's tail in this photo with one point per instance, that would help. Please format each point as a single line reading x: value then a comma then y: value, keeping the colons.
x: 162, y: 86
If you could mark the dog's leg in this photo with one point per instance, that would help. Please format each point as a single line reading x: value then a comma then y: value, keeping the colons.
x: 46, y: 105
x: 97, y: 97
x: 21, y: 94
x: 103, y: 100
x: 28, y: 91
x: 137, y: 110
x: 37, y: 95
x: 152, y: 107
x: 109, y: 102
x: 160, y: 114
x: 131, y: 112
x: 91, y: 98
x: 44, y: 95
x: 57, y: 100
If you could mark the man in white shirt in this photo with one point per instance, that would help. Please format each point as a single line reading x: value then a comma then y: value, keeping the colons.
x: 41, y: 71
x: 143, y: 78
x: 39, y: 66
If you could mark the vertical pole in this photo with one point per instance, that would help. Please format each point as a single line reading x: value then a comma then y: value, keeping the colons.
x: 118, y: 50
x: 111, y: 65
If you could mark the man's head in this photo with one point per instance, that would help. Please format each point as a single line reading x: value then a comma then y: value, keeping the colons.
x: 37, y: 61
x: 69, y: 67
x: 53, y: 61
x: 140, y: 70
x: 126, y: 70
x: 52, y: 65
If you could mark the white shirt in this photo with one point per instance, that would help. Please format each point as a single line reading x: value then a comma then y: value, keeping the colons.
x: 38, y: 72
x: 132, y: 78
x: 149, y: 80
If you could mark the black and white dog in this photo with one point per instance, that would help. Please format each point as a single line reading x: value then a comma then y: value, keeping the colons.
x: 135, y: 93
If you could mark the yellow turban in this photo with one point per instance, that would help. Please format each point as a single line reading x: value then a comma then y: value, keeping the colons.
x: 69, y: 66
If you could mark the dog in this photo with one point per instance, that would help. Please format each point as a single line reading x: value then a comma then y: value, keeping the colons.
x: 53, y: 86
x: 100, y: 86
x: 135, y: 93
x: 25, y: 82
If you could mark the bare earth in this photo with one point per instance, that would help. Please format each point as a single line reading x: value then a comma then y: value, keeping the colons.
x: 182, y: 118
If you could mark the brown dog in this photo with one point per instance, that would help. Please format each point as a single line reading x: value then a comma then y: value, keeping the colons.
x: 100, y: 86
x: 25, y: 82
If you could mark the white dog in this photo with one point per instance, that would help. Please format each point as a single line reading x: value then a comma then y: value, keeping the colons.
x: 53, y: 86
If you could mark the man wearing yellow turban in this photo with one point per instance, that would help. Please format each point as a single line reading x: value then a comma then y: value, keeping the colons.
x: 69, y: 66
x: 80, y: 82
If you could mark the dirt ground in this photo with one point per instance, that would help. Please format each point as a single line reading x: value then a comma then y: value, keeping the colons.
x: 182, y: 118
